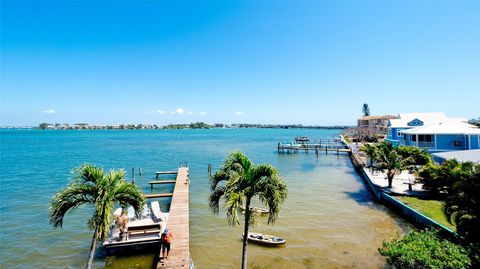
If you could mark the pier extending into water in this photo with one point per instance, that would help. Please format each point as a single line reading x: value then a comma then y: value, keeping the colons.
x: 316, y: 147
x: 178, y: 223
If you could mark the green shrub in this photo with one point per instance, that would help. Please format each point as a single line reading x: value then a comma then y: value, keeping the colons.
x: 425, y: 250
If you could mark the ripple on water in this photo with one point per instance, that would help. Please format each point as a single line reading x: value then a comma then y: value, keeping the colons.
x: 329, y: 219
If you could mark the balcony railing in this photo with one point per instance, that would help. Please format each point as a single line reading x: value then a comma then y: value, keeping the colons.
x: 426, y: 145
x: 429, y: 145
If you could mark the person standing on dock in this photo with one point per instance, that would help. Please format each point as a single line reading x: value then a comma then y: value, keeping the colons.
x: 167, y: 238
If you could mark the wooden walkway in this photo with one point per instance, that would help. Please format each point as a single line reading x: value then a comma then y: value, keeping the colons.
x: 178, y: 224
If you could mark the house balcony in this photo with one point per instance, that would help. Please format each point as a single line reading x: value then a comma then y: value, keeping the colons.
x: 430, y: 145
x: 422, y: 145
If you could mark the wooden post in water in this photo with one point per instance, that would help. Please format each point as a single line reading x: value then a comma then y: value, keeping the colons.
x: 209, y: 170
x: 140, y: 171
x: 133, y: 174
x: 337, y: 150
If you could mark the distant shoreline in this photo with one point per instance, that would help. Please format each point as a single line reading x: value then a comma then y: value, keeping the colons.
x: 198, y: 125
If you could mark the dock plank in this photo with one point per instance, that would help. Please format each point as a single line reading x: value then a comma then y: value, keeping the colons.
x: 162, y: 181
x: 165, y: 173
x: 158, y: 195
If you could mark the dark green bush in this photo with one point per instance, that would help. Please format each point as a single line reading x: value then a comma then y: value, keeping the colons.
x: 425, y: 250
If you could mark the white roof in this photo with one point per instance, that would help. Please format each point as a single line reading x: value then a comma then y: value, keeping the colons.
x: 426, y: 118
x: 461, y: 155
x: 449, y: 127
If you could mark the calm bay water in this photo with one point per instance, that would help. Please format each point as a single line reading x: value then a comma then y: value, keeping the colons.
x: 330, y: 220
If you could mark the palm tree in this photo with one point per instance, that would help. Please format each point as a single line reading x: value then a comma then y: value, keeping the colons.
x: 91, y: 186
x: 418, y: 156
x: 439, y: 179
x: 463, y: 203
x: 389, y: 158
x: 460, y: 182
x: 238, y: 181
x: 365, y: 110
x: 371, y: 151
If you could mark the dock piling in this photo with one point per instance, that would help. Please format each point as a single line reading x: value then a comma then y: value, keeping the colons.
x: 133, y: 174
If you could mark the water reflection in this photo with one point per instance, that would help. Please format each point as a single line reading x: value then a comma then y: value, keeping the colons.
x: 134, y: 257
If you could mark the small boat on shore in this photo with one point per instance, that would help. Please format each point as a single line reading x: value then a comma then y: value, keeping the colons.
x: 266, y: 239
x: 260, y: 210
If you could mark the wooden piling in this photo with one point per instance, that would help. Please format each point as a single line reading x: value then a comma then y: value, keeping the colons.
x: 133, y: 174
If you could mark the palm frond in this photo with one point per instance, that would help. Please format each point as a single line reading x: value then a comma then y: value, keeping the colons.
x: 90, y: 185
x: 232, y: 204
x: 214, y: 199
x: 68, y: 200
x: 88, y: 173
x: 218, y: 177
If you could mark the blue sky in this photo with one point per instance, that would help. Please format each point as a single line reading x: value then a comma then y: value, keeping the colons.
x: 312, y: 62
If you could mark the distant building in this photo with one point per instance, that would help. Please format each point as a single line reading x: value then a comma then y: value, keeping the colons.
x: 379, y: 123
x: 433, y: 131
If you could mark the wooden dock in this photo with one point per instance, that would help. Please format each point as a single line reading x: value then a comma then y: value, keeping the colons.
x: 178, y: 224
x: 316, y: 148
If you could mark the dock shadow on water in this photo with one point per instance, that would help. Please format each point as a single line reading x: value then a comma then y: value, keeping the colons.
x: 134, y: 257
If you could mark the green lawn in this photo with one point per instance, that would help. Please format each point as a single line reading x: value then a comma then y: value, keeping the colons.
x: 430, y: 208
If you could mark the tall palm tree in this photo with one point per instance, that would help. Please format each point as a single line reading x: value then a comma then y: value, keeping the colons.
x: 91, y: 186
x: 365, y: 110
x: 239, y: 181
x: 389, y: 158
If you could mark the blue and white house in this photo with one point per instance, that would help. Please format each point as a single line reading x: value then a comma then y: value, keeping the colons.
x: 434, y: 132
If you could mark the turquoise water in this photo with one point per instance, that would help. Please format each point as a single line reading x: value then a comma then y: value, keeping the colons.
x: 330, y: 220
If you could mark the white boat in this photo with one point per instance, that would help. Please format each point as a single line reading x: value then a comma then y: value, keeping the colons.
x: 260, y: 210
x: 140, y: 230
x: 266, y: 239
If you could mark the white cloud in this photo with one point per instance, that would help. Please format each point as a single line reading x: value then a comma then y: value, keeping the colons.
x: 202, y: 113
x: 189, y: 112
x: 50, y: 111
x: 161, y: 112
x: 179, y: 111
x: 239, y: 113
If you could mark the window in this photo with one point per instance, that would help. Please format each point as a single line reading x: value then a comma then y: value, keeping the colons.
x: 399, y: 134
x: 414, y: 138
x: 415, y: 122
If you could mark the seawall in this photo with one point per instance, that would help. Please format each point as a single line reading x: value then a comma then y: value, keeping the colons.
x: 409, y: 213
